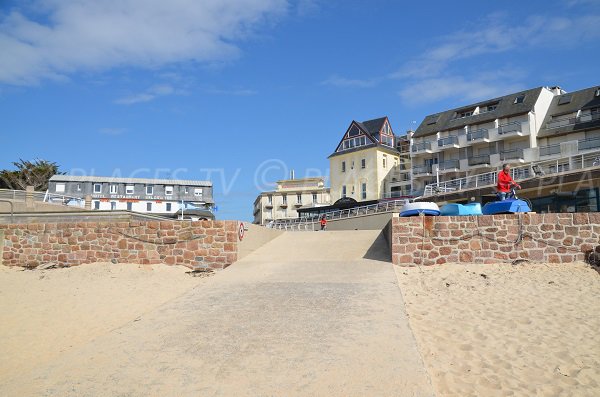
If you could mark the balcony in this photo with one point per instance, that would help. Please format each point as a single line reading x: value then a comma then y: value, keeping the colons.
x: 566, y: 121
x: 513, y: 154
x: 480, y: 135
x: 269, y: 205
x: 515, y: 128
x: 549, y: 150
x: 451, y: 140
x: 422, y: 170
x: 421, y: 147
x: 482, y: 160
x: 588, y: 144
x: 449, y: 165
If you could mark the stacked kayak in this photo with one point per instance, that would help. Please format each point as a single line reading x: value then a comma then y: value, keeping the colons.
x: 461, y: 209
x: 418, y: 208
x: 505, y: 207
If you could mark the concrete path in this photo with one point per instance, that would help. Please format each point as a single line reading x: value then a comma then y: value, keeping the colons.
x: 310, y: 313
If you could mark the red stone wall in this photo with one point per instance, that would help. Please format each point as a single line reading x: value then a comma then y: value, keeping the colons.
x: 201, y: 244
x: 550, y: 238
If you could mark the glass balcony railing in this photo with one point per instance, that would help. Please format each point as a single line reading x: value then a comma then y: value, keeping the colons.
x: 587, y: 144
x: 449, y: 165
x: 513, y: 154
x: 479, y: 160
x: 421, y: 169
x: 566, y: 121
x: 509, y: 128
x: 421, y: 146
x: 447, y: 141
x: 549, y: 150
x: 479, y: 134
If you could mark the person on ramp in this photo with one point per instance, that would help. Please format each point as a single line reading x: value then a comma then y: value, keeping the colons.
x: 323, y: 222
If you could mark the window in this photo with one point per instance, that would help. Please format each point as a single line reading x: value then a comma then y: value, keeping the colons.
x: 299, y: 198
x: 149, y: 190
x: 198, y: 192
x: 363, y: 163
x: 129, y: 206
x: 169, y: 190
x: 186, y: 190
x: 564, y: 99
x: 97, y: 188
x: 270, y: 199
x: 60, y: 188
x: 129, y: 189
x: 79, y: 187
x: 344, y: 191
x: 168, y: 207
x: 363, y: 194
x: 284, y: 212
x: 384, y: 161
x: 387, y: 140
x: 491, y: 108
x: 284, y: 198
x: 113, y: 205
x: 343, y: 166
x: 520, y: 99
x: 314, y: 196
x: 113, y: 189
x: 148, y: 207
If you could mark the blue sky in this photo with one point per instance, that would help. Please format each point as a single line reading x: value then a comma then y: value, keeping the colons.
x: 242, y: 91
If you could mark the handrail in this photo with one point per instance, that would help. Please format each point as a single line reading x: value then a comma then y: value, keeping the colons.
x: 12, y: 208
x: 53, y: 198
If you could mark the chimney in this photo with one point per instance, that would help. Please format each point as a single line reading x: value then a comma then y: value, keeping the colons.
x: 556, y: 90
x: 292, y: 174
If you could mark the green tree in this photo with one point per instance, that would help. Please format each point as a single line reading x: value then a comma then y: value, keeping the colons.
x: 34, y: 173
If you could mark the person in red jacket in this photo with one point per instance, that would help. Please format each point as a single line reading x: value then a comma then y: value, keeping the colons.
x: 323, y: 222
x: 505, y: 182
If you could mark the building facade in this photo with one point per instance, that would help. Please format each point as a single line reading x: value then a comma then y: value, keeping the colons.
x: 366, y: 163
x: 478, y: 137
x: 549, y: 136
x: 154, y: 196
x: 289, y: 196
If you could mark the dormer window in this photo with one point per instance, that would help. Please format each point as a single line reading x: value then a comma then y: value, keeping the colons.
x: 489, y: 107
x: 564, y: 99
x: 520, y: 99
x: 464, y: 113
x: 597, y: 93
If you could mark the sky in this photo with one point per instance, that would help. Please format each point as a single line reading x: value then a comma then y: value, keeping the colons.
x: 240, y: 92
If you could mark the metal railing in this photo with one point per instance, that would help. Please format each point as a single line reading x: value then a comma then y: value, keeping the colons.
x: 565, y: 121
x: 449, y: 140
x: 587, y: 144
x: 488, y: 179
x: 481, y: 133
x: 311, y: 222
x: 421, y: 169
x: 549, y: 150
x: 420, y: 146
x: 61, y: 199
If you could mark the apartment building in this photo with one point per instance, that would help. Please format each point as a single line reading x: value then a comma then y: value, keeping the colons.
x: 289, y: 196
x: 366, y: 163
x: 479, y: 137
x: 155, y: 196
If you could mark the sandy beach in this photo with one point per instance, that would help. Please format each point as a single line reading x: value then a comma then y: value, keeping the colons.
x: 48, y: 312
x: 504, y: 330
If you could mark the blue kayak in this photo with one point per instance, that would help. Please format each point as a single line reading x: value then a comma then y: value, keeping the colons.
x: 505, y: 207
x: 461, y: 209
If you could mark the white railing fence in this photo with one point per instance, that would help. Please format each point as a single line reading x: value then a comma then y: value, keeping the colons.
x: 21, y: 195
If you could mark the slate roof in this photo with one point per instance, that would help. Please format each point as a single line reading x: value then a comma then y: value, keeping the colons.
x: 145, y: 181
x: 579, y: 100
x: 506, y: 107
x: 370, y: 128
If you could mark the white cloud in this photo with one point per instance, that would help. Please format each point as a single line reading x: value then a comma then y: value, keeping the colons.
x: 148, y: 95
x: 234, y: 92
x: 113, y: 131
x: 339, y: 81
x: 62, y: 37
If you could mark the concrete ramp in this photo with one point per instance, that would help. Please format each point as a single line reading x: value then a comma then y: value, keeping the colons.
x: 305, y: 315
x: 343, y: 245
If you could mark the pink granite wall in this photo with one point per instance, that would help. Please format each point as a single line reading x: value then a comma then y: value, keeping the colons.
x: 201, y: 244
x: 551, y: 238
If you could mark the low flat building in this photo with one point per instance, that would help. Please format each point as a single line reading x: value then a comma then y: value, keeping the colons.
x: 289, y: 196
x: 154, y: 196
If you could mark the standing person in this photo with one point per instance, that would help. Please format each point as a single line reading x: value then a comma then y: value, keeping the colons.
x: 323, y: 222
x: 505, y: 182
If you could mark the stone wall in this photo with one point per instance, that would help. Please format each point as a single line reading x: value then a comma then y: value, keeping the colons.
x: 201, y: 244
x: 550, y: 238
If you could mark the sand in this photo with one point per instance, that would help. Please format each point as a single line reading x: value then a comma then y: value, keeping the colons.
x: 504, y: 330
x: 45, y: 313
